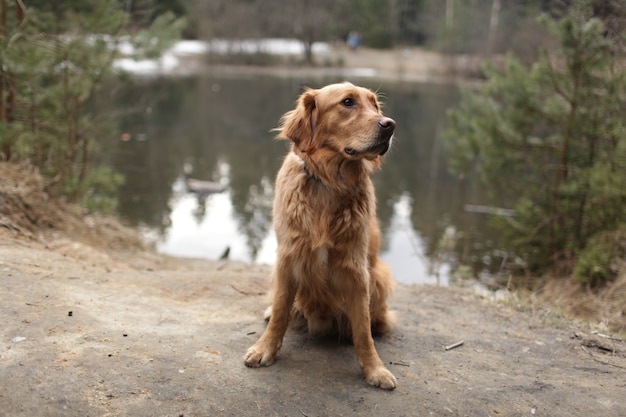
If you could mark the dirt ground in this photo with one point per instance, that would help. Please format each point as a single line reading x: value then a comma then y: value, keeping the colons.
x: 88, y: 332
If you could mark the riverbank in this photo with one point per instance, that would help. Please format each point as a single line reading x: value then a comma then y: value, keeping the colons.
x: 93, y: 323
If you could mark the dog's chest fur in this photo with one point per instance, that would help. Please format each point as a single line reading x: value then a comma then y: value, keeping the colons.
x: 316, y: 216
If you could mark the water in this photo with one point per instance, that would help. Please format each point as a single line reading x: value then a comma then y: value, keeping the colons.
x: 218, y: 129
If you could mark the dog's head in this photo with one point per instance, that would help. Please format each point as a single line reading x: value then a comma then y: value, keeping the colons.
x: 340, y: 118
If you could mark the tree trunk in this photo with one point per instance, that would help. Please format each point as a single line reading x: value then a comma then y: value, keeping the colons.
x: 493, y: 26
x: 6, y: 148
x: 308, y: 52
x: 449, y: 15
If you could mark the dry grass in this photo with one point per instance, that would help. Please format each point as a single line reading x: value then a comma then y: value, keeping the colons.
x: 603, y: 309
x: 27, y: 211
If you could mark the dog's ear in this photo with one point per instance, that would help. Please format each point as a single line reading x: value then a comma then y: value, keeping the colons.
x: 298, y: 125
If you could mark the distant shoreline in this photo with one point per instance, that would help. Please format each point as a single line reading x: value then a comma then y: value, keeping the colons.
x: 415, y: 65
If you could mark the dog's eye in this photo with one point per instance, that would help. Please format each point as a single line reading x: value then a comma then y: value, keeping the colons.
x: 348, y: 102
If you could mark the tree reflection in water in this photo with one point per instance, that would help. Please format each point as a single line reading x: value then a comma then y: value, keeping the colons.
x: 218, y: 129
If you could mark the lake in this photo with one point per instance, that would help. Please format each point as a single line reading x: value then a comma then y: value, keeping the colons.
x: 217, y: 128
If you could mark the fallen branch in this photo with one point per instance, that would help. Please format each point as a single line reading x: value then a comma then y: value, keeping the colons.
x: 475, y: 208
x: 590, y: 353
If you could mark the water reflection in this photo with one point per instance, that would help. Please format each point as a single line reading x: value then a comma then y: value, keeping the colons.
x: 218, y: 129
x: 208, y: 227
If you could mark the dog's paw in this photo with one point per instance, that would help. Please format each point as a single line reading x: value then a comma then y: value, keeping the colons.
x: 256, y: 357
x: 382, y: 378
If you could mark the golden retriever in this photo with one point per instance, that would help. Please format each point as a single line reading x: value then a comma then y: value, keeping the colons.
x: 327, y: 272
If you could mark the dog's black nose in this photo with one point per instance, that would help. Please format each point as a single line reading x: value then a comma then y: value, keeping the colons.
x: 387, y: 123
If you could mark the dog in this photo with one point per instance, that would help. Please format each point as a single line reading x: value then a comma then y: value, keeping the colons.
x: 327, y: 273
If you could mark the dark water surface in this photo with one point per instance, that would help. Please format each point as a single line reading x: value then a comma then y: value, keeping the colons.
x: 218, y: 129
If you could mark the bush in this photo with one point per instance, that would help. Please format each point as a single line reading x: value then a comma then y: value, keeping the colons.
x: 598, y: 261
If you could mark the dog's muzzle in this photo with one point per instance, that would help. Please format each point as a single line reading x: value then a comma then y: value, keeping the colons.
x: 386, y: 126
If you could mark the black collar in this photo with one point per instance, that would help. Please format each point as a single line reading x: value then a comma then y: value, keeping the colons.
x: 309, y: 174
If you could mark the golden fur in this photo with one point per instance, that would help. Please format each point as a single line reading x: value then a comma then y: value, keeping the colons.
x: 328, y: 272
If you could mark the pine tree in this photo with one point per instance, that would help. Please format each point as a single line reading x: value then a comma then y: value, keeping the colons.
x: 54, y: 56
x: 552, y: 139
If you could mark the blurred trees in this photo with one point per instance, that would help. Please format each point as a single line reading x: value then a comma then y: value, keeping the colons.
x: 54, y: 56
x: 550, y: 139
x: 451, y: 26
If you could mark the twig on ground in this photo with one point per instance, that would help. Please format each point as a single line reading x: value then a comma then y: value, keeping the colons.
x: 400, y: 363
x: 454, y: 345
x: 244, y: 292
x: 606, y: 336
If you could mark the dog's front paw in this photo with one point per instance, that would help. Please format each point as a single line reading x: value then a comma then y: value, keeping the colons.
x: 257, y: 356
x: 381, y: 377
